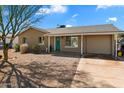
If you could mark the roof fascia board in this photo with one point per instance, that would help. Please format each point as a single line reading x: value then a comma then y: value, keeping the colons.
x: 82, y: 34
x: 40, y: 30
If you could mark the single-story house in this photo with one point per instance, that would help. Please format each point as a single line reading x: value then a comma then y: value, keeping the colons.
x: 95, y: 39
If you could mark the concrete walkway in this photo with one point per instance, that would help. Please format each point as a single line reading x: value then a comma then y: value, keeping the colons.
x: 99, y: 73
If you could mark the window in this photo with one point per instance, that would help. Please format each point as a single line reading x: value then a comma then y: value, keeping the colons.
x: 41, y: 40
x: 24, y: 40
x: 71, y: 41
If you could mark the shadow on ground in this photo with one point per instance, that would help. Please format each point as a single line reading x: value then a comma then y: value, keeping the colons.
x: 99, y: 56
x: 66, y: 54
x: 50, y: 74
x: 53, y: 75
x: 84, y: 80
x: 57, y: 74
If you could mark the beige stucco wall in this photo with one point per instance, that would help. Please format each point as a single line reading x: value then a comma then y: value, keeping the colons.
x: 99, y: 44
x: 101, y: 41
x: 32, y: 36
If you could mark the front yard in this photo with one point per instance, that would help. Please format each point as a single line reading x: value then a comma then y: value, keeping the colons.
x: 66, y: 70
x: 46, y: 70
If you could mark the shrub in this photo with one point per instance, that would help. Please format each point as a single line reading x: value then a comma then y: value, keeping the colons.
x: 36, y: 49
x: 24, y: 48
x: 17, y: 47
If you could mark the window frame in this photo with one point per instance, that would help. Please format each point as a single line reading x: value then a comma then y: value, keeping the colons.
x: 24, y: 40
x: 71, y: 44
x: 41, y: 40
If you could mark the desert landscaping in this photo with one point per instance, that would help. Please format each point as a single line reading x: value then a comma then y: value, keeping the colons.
x: 64, y: 70
x: 46, y: 70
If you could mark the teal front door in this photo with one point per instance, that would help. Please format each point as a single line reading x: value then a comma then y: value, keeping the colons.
x: 57, y: 43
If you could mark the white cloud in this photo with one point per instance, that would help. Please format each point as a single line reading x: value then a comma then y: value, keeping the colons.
x: 72, y: 19
x: 103, y: 6
x: 68, y: 25
x: 53, y: 9
x: 58, y: 9
x: 75, y: 15
x: 112, y: 19
x: 108, y: 6
x: 43, y: 10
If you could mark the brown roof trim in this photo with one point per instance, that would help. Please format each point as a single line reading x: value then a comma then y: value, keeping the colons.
x: 38, y: 29
x: 87, y: 32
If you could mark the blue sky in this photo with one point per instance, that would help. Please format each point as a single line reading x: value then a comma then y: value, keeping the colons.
x: 81, y: 15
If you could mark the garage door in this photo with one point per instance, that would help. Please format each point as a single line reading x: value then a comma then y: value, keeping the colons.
x: 99, y: 44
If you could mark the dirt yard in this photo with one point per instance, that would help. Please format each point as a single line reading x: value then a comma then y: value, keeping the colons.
x: 47, y: 70
x: 66, y: 70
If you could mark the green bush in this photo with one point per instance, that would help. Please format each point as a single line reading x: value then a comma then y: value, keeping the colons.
x: 24, y: 48
x: 17, y: 47
x: 36, y: 49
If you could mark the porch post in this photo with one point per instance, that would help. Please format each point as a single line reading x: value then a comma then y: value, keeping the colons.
x: 82, y: 45
x: 54, y: 43
x: 116, y: 46
x: 48, y: 44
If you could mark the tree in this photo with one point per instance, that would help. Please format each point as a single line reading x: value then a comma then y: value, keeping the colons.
x: 15, y: 19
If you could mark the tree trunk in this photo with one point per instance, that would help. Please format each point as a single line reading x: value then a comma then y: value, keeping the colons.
x: 5, y: 54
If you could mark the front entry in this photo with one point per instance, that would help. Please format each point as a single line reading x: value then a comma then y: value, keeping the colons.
x: 57, y: 43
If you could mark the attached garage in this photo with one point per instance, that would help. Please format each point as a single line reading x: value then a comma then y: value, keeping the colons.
x: 99, y: 44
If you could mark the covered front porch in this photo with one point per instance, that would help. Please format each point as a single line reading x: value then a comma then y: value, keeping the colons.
x: 85, y: 44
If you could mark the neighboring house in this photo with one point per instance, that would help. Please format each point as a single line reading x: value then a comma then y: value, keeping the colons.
x: 15, y: 41
x: 97, y: 39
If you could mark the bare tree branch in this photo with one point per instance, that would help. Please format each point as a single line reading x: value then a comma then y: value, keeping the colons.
x: 14, y: 19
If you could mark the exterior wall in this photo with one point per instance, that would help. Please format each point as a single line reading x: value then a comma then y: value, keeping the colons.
x: 52, y: 42
x: 78, y: 50
x: 64, y: 49
x: 32, y: 37
x: 103, y: 42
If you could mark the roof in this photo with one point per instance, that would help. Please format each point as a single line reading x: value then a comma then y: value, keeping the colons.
x: 38, y: 29
x: 104, y: 28
x: 84, y: 29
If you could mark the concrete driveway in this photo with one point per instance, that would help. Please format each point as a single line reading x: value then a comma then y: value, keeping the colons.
x: 99, y: 73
